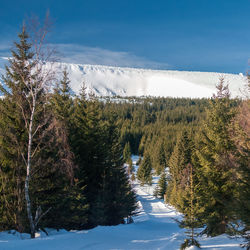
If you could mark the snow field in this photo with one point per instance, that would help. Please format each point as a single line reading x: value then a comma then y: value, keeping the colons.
x: 113, y: 81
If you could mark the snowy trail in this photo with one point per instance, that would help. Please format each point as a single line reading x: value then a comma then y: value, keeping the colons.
x: 153, y: 208
x: 153, y: 228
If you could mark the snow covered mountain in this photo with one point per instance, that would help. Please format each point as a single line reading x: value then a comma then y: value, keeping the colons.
x: 111, y: 81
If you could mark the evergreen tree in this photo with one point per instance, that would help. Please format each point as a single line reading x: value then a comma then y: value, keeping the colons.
x: 133, y: 177
x: 12, y: 170
x: 61, y: 100
x: 142, y: 145
x: 161, y: 159
x: 130, y: 167
x: 116, y: 198
x: 190, y: 211
x: 161, y: 186
x: 127, y: 152
x: 240, y: 134
x: 144, y: 173
x: 181, y: 156
x: 216, y: 173
x: 88, y: 145
x: 72, y: 207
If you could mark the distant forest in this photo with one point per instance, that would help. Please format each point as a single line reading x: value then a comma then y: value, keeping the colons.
x: 149, y: 123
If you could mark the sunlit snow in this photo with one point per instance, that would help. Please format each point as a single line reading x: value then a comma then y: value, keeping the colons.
x: 111, y: 81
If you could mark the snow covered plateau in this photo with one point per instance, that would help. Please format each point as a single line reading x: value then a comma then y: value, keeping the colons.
x: 116, y: 81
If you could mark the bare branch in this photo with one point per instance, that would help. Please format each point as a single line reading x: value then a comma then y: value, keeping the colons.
x: 41, y: 215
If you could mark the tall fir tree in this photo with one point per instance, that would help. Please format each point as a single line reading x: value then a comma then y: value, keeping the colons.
x: 116, y: 199
x: 72, y: 208
x: 161, y: 187
x: 240, y: 134
x: 190, y: 220
x: 62, y: 102
x: 216, y: 170
x: 144, y: 172
x: 161, y: 158
x: 12, y: 171
x: 181, y: 156
x: 127, y: 152
x: 88, y: 145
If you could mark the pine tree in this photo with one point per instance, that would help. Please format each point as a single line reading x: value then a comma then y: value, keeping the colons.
x: 72, y: 207
x: 160, y: 158
x: 133, y: 177
x: 131, y: 168
x: 61, y: 100
x: 144, y: 173
x: 127, y: 152
x: 116, y: 198
x: 161, y: 186
x: 216, y: 172
x: 12, y: 170
x: 88, y: 142
x: 190, y: 211
x: 142, y: 145
x: 181, y: 156
x: 240, y: 134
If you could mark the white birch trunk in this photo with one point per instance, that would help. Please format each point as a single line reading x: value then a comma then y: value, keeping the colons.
x: 28, y: 167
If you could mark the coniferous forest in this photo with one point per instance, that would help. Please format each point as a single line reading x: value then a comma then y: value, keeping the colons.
x: 62, y: 155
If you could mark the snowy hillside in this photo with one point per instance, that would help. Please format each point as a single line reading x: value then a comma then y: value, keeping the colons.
x: 110, y: 81
x: 154, y: 228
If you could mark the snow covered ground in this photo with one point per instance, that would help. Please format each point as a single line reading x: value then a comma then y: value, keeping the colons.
x: 153, y: 228
x: 112, y: 81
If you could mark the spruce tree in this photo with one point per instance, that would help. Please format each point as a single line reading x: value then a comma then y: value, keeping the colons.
x: 191, y: 210
x: 12, y: 171
x: 144, y: 173
x: 116, y: 198
x: 127, y: 152
x: 61, y: 100
x: 88, y: 145
x: 161, y: 186
x: 216, y: 173
x: 72, y: 207
x: 160, y: 158
x: 240, y: 134
x: 181, y: 156
x: 130, y: 167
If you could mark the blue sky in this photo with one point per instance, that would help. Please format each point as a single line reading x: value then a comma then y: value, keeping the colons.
x: 201, y: 35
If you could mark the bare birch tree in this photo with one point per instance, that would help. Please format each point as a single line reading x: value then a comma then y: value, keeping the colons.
x: 36, y: 76
x: 40, y: 78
